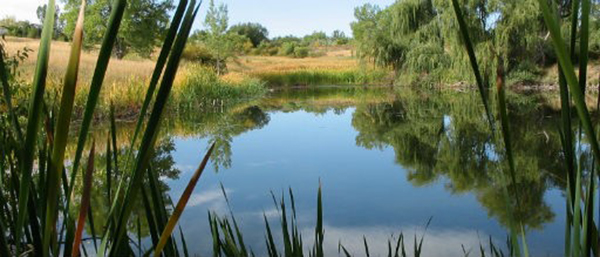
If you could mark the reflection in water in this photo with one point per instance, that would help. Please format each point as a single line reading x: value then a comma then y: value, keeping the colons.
x: 445, y: 241
x: 441, y: 138
x: 435, y: 137
x: 163, y: 164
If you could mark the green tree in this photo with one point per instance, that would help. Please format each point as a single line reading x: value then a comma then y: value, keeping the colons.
x: 223, y: 45
x: 339, y: 37
x: 59, y: 25
x: 142, y: 27
x: 253, y: 31
x: 419, y: 38
x: 317, y: 38
x: 20, y: 28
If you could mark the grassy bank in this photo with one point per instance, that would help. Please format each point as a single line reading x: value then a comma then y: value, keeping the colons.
x: 337, y: 67
x: 127, y: 81
x: 195, y: 86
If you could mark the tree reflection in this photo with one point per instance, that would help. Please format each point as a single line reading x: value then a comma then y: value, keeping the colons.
x: 220, y: 127
x: 444, y: 135
x: 162, y: 163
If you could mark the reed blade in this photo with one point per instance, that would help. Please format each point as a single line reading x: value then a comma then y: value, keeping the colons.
x: 61, y: 132
x: 85, y: 202
x: 473, y: 60
x: 158, y: 69
x: 110, y: 36
x: 584, y: 43
x: 319, y: 231
x: 34, y: 117
x: 569, y: 72
x: 183, y: 243
x: 185, y: 197
x: 149, y: 138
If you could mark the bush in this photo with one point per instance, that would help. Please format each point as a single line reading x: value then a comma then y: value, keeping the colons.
x: 202, y: 87
x: 301, y: 52
x: 287, y: 49
x: 526, y: 73
x: 33, y: 32
x: 199, y: 54
x: 316, y: 53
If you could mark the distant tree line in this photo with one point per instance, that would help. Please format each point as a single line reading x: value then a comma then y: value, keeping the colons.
x: 419, y: 38
x: 217, y: 41
x: 28, y: 29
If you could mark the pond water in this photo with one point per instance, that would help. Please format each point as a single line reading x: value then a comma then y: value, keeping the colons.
x: 387, y: 160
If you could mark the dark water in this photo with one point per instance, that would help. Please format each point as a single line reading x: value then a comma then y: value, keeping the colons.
x: 387, y: 161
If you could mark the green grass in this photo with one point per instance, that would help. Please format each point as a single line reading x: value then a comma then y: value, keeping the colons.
x: 201, y: 88
x: 324, y: 77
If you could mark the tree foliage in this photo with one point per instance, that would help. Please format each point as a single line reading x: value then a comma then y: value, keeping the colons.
x: 141, y: 30
x: 419, y: 38
x: 255, y: 32
x: 18, y: 28
x: 222, y: 44
x: 59, y: 25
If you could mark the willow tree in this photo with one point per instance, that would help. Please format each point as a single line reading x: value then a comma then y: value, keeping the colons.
x: 419, y: 38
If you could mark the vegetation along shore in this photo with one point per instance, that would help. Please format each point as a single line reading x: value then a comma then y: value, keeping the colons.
x: 483, y: 115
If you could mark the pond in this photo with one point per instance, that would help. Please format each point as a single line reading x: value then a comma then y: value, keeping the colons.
x: 387, y: 160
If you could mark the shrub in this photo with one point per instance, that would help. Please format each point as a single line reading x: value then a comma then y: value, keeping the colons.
x: 287, y: 49
x: 198, y: 53
x: 33, y: 32
x: 203, y: 87
x: 525, y: 73
x: 301, y: 52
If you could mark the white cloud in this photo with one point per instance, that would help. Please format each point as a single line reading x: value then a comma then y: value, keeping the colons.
x: 21, y: 9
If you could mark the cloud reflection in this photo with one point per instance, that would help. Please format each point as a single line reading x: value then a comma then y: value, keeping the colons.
x: 445, y: 242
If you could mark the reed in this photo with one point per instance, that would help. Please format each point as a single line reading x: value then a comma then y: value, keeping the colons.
x: 38, y: 194
x: 305, y: 77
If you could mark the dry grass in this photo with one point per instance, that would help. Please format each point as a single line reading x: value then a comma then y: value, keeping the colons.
x: 118, y: 70
x: 334, y: 60
x: 139, y: 70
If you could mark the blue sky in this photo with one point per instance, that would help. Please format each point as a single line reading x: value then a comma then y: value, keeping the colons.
x: 281, y: 17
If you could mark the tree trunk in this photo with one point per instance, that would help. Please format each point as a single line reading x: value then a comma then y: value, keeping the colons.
x: 120, y: 49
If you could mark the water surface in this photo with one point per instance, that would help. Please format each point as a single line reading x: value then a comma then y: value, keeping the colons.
x: 388, y: 161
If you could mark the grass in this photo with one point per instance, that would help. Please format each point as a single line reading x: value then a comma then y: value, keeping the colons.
x: 39, y: 220
x: 337, y: 67
x: 36, y: 197
x: 121, y: 71
x: 126, y: 80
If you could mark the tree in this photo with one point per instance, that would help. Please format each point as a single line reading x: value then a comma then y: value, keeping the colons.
x: 316, y: 38
x: 253, y: 31
x: 20, y: 28
x: 142, y: 27
x: 339, y: 37
x: 223, y: 45
x: 59, y: 24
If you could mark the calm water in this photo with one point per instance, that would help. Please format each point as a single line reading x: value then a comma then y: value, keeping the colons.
x: 387, y: 162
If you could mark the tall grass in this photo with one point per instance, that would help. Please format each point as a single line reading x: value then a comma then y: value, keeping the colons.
x: 37, y: 185
x: 200, y: 87
x: 324, y: 77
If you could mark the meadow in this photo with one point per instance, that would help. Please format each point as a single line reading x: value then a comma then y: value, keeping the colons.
x: 249, y: 77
